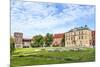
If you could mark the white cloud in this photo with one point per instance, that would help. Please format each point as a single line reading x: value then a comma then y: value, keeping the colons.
x: 44, y: 17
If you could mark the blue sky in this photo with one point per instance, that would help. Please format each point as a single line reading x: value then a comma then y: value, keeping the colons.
x: 33, y: 18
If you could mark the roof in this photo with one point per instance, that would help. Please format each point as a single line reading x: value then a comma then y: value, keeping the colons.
x: 26, y: 39
x: 93, y: 31
x: 18, y: 33
x: 79, y: 28
x: 61, y: 35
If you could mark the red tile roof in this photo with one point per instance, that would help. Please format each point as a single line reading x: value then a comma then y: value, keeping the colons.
x: 61, y: 35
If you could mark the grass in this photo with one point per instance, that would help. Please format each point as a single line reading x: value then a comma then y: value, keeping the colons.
x: 40, y: 56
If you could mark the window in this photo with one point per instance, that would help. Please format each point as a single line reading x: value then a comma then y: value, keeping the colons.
x: 69, y: 38
x: 82, y: 32
x: 79, y: 37
x: 80, y: 43
x: 74, y: 33
x: 79, y: 32
x: 82, y: 37
x: 25, y: 46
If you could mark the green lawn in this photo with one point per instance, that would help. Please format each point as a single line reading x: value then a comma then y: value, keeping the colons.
x: 40, y: 56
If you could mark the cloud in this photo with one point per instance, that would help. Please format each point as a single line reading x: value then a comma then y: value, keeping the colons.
x: 39, y: 18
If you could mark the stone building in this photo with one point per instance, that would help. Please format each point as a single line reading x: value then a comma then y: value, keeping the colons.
x: 26, y: 43
x: 18, y: 38
x: 78, y: 37
x: 21, y: 42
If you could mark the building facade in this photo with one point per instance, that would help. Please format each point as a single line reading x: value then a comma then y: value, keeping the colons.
x: 78, y: 37
x: 57, y: 39
x: 21, y: 42
x: 27, y: 43
x: 18, y: 38
x: 93, y: 38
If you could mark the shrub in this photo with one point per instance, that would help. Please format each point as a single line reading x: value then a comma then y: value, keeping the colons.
x: 21, y: 55
x: 43, y: 49
x: 55, y: 45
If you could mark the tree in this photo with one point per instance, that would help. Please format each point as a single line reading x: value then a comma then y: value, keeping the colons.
x: 38, y: 41
x: 12, y: 45
x: 63, y: 41
x: 48, y: 39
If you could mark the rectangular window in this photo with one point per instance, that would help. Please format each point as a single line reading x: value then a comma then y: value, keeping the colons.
x: 82, y: 32
x: 82, y: 37
x: 79, y: 37
x: 74, y: 33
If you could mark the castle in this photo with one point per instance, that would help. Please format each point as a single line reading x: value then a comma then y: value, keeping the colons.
x: 76, y: 37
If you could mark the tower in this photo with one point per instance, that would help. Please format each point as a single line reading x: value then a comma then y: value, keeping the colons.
x: 18, y: 40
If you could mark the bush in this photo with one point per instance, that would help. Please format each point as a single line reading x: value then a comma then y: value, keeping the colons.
x: 43, y: 49
x: 55, y: 45
x: 21, y: 55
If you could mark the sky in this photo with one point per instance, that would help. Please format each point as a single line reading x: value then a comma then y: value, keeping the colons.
x: 34, y: 18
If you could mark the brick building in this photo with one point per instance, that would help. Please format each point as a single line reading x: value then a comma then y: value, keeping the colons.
x: 57, y: 39
x: 93, y: 38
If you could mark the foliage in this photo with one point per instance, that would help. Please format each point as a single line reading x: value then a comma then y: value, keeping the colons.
x: 56, y: 45
x: 38, y: 41
x: 63, y: 41
x: 48, y: 39
x: 12, y: 44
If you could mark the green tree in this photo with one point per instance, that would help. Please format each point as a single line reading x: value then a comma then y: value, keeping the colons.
x: 37, y: 41
x: 48, y: 39
x: 63, y: 41
x: 12, y: 45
